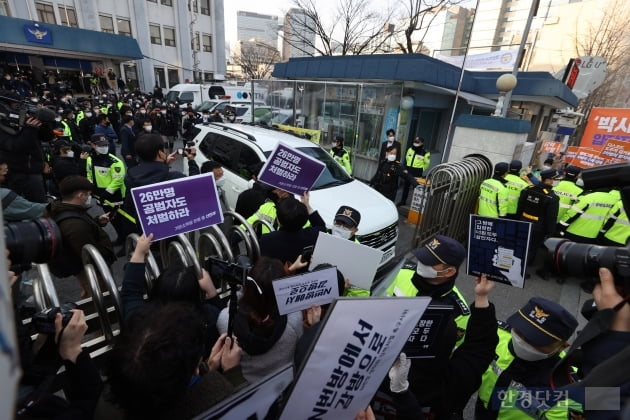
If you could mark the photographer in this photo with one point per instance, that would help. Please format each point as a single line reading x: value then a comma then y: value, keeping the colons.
x: 14, y: 206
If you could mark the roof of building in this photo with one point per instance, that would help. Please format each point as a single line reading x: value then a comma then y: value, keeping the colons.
x: 21, y: 35
x: 537, y: 87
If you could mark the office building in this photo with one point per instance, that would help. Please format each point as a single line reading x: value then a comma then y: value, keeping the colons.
x: 299, y: 36
x: 250, y: 25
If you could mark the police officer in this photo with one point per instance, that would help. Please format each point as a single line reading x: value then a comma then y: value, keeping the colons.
x: 346, y: 225
x: 616, y: 229
x: 267, y: 211
x: 568, y: 189
x: 539, y: 205
x: 385, y: 180
x: 433, y: 275
x: 417, y: 160
x: 528, y: 349
x: 341, y: 155
x: 70, y: 128
x: 514, y: 184
x: 107, y: 173
x: 493, y: 194
x: 585, y: 219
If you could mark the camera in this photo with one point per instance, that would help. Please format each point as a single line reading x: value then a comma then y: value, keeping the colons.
x: 45, y: 320
x: 31, y: 241
x: 307, y: 253
x: 584, y: 260
x: 224, y: 272
x: 189, y: 144
x: 14, y: 112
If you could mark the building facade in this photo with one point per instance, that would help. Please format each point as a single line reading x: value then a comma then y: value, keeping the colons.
x: 251, y: 25
x: 180, y: 40
x: 299, y: 37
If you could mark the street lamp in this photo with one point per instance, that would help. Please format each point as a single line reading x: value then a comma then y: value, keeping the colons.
x: 505, y: 83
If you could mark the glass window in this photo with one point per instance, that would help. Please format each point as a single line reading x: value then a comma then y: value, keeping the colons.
x: 247, y: 160
x: 173, y: 77
x: 167, y: 2
x: 206, y: 41
x: 194, y: 41
x: 68, y: 16
x: 156, y: 37
x: 169, y: 37
x: 195, y: 6
x: 45, y: 12
x: 208, y: 76
x: 221, y: 149
x: 4, y: 8
x: 160, y: 77
x: 124, y: 27
x: 205, y: 7
x: 107, y: 24
x: 186, y: 97
x: 152, y: 1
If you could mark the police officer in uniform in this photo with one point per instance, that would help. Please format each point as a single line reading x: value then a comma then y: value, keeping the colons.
x: 568, y: 189
x: 107, y: 173
x: 385, y: 180
x: 493, y: 194
x: 616, y: 229
x: 434, y: 274
x: 417, y: 160
x: 528, y: 349
x: 341, y: 155
x: 514, y: 184
x: 539, y: 205
x: 585, y: 219
x: 70, y: 128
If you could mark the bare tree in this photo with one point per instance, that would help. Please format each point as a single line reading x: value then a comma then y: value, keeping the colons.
x: 356, y: 27
x: 608, y: 38
x: 256, y: 58
x: 417, y: 18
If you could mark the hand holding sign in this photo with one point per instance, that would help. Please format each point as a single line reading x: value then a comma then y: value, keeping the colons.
x: 291, y: 170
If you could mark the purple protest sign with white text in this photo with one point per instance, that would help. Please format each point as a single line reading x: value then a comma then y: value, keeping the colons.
x: 178, y: 206
x: 291, y: 170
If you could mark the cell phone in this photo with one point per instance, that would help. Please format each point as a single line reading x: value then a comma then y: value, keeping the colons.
x: 180, y: 151
x: 307, y: 253
x: 113, y: 212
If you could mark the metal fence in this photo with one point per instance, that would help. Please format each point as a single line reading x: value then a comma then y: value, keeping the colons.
x: 451, y: 193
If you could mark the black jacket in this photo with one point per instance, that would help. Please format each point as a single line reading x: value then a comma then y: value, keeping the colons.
x: 538, y: 204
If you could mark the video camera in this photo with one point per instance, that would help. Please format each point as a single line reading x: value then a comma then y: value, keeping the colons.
x: 584, y: 260
x: 14, y: 112
x: 45, y: 320
x: 227, y: 273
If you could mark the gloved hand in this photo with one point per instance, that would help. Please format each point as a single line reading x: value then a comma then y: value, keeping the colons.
x: 398, y: 374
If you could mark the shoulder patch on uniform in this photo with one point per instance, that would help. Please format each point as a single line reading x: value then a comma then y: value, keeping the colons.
x: 410, y: 264
x: 463, y: 307
x: 117, y: 168
x: 504, y: 325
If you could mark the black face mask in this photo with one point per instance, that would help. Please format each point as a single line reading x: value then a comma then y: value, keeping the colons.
x: 427, y: 289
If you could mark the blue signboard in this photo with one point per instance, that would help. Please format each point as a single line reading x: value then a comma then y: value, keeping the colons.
x: 38, y: 33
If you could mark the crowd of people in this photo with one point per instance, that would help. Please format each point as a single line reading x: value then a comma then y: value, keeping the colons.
x: 181, y: 349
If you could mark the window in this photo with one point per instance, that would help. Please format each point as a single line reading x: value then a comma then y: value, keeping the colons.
x: 208, y: 77
x: 124, y: 27
x: 156, y: 37
x: 152, y: 1
x: 169, y: 37
x: 68, y: 16
x: 4, y: 8
x: 167, y: 2
x: 45, y: 12
x: 160, y: 78
x: 205, y: 7
x: 107, y: 24
x: 195, y: 6
x: 173, y: 77
x: 194, y: 41
x: 206, y: 41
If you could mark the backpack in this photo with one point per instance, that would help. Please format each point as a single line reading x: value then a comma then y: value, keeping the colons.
x: 65, y: 263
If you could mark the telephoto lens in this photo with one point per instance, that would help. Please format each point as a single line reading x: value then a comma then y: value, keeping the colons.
x: 33, y: 241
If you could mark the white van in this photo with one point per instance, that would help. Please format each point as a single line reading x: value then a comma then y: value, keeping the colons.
x: 195, y: 94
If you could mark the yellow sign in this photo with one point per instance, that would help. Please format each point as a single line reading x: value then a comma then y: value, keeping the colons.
x: 313, y: 135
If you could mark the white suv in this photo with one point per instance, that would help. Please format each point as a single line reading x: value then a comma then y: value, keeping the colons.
x: 239, y: 147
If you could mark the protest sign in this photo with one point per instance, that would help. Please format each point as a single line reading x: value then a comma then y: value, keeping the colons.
x: 570, y: 153
x: 588, y: 158
x: 254, y: 401
x: 616, y: 151
x: 300, y: 292
x: 357, y: 344
x: 345, y: 254
x: 552, y: 147
x: 291, y: 170
x: 422, y: 342
x: 606, y: 124
x: 177, y: 206
x: 498, y: 248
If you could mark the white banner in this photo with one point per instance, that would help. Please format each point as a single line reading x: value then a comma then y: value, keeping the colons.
x: 300, y: 292
x: 485, y: 61
x: 356, y: 346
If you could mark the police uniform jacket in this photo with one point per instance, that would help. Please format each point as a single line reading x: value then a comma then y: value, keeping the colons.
x: 342, y: 156
x: 386, y: 178
x: 107, y: 173
x: 493, y: 198
x: 539, y: 205
x: 568, y: 193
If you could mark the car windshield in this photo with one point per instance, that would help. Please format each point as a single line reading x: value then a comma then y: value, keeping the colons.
x: 207, y: 105
x: 240, y: 110
x: 172, y: 96
x: 333, y: 174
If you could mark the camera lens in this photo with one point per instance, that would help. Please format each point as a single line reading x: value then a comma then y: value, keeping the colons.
x: 32, y: 241
x: 579, y: 260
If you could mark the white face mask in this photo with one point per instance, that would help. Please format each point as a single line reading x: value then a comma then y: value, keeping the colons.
x: 579, y: 182
x: 97, y: 111
x: 390, y: 139
x: 70, y: 154
x: 546, y: 167
x: 103, y: 150
x: 220, y: 182
x: 526, y: 351
x: 57, y: 119
x: 163, y: 112
x: 148, y: 128
x: 426, y: 271
x: 391, y: 158
x: 88, y: 202
x: 88, y: 114
x: 143, y: 111
x: 341, y: 232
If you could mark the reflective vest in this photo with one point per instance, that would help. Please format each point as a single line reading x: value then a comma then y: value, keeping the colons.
x: 342, y: 156
x: 493, y: 198
x: 586, y: 217
x: 66, y: 129
x: 402, y: 286
x: 267, y: 212
x: 568, y: 194
x: 413, y: 160
x: 515, y: 184
x: 80, y: 116
x: 107, y: 175
x: 617, y: 226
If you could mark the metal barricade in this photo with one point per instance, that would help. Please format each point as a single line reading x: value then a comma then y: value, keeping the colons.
x: 179, y: 247
x: 451, y: 193
x: 152, y: 270
x: 248, y: 235
x: 44, y: 291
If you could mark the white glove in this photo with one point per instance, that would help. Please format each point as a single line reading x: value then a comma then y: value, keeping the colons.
x: 398, y: 374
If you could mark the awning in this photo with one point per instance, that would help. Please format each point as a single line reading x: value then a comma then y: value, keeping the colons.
x: 29, y: 37
x: 470, y: 98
